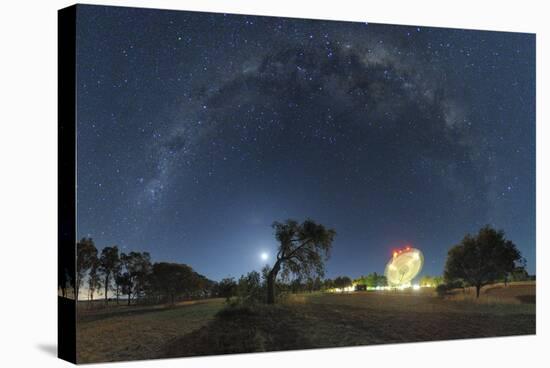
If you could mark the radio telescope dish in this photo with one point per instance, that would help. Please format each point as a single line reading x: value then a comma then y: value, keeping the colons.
x: 404, y: 266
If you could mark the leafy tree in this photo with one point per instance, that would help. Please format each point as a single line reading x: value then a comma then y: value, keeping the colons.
x: 138, y: 268
x: 313, y: 284
x: 126, y: 284
x: 371, y: 280
x: 519, y: 274
x: 204, y: 285
x: 94, y: 280
x: 328, y: 284
x: 303, y: 248
x: 116, y: 276
x: 481, y: 259
x: 425, y: 281
x: 265, y: 274
x: 119, y: 280
x: 173, y: 279
x: 374, y: 280
x: 86, y: 254
x: 227, y: 288
x: 342, y: 282
x: 109, y: 263
x: 249, y: 288
x: 361, y: 281
x: 382, y: 280
x: 432, y: 281
x: 296, y: 285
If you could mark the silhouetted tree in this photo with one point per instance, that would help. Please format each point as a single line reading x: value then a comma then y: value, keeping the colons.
x: 296, y: 285
x: 313, y: 284
x: 227, y: 288
x: 172, y: 279
x: 328, y: 284
x: 119, y: 280
x: 117, y: 274
x: 126, y: 284
x: 66, y: 280
x: 481, y: 259
x: 86, y: 254
x: 94, y: 280
x: 342, y: 282
x: 303, y: 248
x: 205, y: 285
x: 249, y: 288
x: 137, y: 268
x: 265, y: 274
x: 109, y: 263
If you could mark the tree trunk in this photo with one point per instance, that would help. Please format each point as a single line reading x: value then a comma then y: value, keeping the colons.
x: 117, y: 291
x: 271, y: 278
x: 270, y: 289
x: 129, y: 298
x: 106, y: 289
x: 478, y: 288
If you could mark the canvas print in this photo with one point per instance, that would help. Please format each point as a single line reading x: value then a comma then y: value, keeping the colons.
x: 249, y: 183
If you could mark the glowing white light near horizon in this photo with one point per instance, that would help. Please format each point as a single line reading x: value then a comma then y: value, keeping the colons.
x: 264, y: 256
x: 403, y: 267
x: 416, y: 287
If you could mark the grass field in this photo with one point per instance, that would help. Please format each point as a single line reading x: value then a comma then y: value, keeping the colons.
x: 303, y: 321
x: 131, y: 333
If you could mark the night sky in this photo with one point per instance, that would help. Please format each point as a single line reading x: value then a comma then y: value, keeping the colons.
x: 197, y: 130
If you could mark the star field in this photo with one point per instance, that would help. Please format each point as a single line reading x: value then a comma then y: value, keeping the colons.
x: 196, y: 131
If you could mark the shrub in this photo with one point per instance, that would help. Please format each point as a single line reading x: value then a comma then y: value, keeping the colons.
x: 249, y: 289
x: 235, y: 311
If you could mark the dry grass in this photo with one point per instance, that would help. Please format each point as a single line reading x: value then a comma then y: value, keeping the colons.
x: 306, y: 321
x: 515, y: 293
x: 130, y: 333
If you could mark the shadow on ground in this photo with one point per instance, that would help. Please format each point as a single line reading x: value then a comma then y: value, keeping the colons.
x: 306, y: 326
x: 50, y: 349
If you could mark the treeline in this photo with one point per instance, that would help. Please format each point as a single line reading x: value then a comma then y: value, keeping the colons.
x: 431, y: 281
x: 371, y: 280
x: 134, y: 277
x: 252, y: 287
x: 478, y: 260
